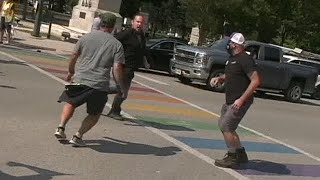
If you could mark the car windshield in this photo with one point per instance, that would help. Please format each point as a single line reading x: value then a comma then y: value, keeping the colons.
x: 220, y: 44
x: 150, y: 42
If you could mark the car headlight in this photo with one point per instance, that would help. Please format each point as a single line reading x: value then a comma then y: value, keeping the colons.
x: 202, y: 59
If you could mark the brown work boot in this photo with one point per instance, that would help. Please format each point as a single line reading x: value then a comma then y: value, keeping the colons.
x: 229, y: 161
x: 242, y: 155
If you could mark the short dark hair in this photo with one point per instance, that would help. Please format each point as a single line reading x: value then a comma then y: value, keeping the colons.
x: 135, y: 15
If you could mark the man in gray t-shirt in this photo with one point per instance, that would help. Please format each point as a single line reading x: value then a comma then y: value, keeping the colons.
x: 95, y: 54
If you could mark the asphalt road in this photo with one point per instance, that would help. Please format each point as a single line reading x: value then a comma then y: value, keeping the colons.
x: 171, y: 131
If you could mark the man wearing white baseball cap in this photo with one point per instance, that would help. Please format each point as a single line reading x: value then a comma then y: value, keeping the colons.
x: 241, y: 79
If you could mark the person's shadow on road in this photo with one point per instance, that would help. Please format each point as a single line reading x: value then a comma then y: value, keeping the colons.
x: 111, y: 145
x: 261, y: 167
x: 267, y: 168
x: 42, y: 174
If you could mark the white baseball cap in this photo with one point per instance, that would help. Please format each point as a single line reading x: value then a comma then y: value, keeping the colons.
x: 237, y: 38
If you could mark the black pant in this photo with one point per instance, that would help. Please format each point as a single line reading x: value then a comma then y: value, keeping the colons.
x: 118, y: 100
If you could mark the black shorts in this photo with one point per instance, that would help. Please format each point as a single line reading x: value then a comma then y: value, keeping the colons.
x: 5, y: 25
x: 95, y: 99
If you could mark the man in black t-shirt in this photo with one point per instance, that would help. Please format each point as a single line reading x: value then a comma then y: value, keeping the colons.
x: 241, y: 80
x: 134, y: 44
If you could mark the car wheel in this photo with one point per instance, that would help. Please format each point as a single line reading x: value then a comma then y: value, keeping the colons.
x: 219, y: 87
x: 294, y: 92
x: 316, y: 94
x: 184, y: 80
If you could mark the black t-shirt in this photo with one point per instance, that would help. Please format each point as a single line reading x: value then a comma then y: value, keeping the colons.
x: 237, y: 72
x: 134, y: 47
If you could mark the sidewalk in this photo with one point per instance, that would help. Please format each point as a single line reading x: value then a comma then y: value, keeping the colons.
x: 24, y: 39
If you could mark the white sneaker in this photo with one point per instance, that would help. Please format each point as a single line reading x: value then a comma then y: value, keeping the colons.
x: 59, y: 134
x: 77, y: 142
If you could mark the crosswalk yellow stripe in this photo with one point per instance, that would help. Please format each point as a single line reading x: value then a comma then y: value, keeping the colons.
x: 169, y: 110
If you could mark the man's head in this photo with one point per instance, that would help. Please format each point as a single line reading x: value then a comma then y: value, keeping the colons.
x: 236, y: 44
x: 108, y: 20
x: 137, y: 22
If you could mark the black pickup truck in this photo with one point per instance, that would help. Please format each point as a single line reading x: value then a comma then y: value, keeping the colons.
x: 191, y: 63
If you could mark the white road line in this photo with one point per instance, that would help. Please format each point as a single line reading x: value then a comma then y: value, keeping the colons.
x: 180, y: 144
x: 150, y: 79
x: 248, y: 129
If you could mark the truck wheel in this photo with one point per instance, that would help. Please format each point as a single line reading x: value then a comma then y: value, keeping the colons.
x: 294, y: 92
x: 316, y: 94
x: 216, y: 73
x: 184, y: 80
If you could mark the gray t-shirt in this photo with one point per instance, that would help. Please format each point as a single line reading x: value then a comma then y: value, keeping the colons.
x: 98, y: 52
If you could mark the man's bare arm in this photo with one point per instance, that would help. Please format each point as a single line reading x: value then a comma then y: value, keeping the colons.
x: 254, y: 84
x: 71, y: 67
x: 73, y: 61
x: 119, y: 73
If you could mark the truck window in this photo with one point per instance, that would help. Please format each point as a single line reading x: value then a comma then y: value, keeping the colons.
x: 253, y: 51
x: 166, y: 45
x: 271, y: 54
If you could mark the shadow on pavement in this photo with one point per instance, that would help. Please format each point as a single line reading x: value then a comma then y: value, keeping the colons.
x: 18, y: 39
x: 28, y: 46
x: 8, y: 87
x: 12, y: 62
x: 139, y: 122
x: 42, y: 174
x: 261, y: 167
x: 267, y: 168
x: 157, y: 125
x: 111, y: 145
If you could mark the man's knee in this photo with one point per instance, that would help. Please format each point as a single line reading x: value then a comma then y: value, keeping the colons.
x: 222, y: 125
x: 227, y: 125
x: 69, y: 106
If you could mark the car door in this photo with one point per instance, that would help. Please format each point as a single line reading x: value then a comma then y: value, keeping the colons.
x: 161, y: 55
x: 271, y: 68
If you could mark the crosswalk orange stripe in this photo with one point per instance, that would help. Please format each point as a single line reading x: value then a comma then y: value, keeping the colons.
x: 154, y: 98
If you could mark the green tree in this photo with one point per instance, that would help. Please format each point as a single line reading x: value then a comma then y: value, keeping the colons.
x: 201, y: 14
x: 129, y: 8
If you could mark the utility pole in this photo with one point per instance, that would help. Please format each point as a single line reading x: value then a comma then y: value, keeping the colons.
x: 50, y: 18
x: 25, y: 7
x: 37, y: 22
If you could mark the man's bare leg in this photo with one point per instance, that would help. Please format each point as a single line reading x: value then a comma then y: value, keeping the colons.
x: 232, y: 141
x: 67, y: 113
x: 87, y: 124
